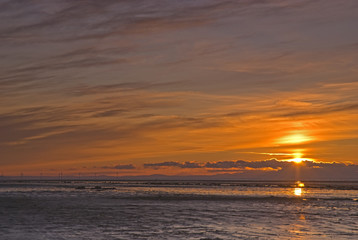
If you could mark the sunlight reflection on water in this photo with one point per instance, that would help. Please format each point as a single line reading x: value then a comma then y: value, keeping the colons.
x: 298, y: 191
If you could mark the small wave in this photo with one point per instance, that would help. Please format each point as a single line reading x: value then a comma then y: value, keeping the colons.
x: 352, y: 185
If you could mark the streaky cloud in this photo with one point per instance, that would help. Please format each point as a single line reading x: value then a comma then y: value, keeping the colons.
x: 120, y: 166
x: 172, y: 164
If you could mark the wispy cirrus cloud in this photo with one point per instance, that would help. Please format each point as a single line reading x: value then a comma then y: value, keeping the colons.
x: 142, y: 80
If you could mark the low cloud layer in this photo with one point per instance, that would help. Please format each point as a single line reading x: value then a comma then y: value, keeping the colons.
x: 241, y: 164
x: 172, y: 164
x: 120, y: 167
x: 270, y: 169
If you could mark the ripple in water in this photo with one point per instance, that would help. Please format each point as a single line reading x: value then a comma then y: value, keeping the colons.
x: 178, y: 210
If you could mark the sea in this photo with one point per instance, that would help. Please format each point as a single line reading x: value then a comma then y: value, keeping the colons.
x: 178, y: 210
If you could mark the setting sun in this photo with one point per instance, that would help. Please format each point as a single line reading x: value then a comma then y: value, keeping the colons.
x: 297, y: 157
x: 300, y: 184
x: 297, y: 160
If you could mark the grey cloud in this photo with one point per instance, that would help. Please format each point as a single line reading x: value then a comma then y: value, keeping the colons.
x: 172, y: 122
x: 109, y: 113
x: 307, y: 168
x: 119, y: 167
x: 11, y: 84
x: 93, y: 19
x: 81, y: 90
x: 54, y: 123
x: 89, y: 21
x: 224, y: 171
x: 273, y: 163
x: 271, y: 170
x: 70, y: 63
x: 172, y: 164
x: 224, y: 164
x: 323, y: 110
x: 276, y: 164
x: 32, y: 123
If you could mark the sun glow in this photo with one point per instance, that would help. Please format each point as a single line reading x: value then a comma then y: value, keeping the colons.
x: 296, y: 138
x: 300, y: 160
x: 300, y: 184
x: 297, y: 157
x: 297, y: 160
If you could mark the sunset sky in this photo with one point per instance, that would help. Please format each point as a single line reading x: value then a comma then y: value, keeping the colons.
x: 187, y: 87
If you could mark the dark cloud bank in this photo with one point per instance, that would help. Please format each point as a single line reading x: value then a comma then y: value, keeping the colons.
x: 266, y: 170
x: 120, y: 167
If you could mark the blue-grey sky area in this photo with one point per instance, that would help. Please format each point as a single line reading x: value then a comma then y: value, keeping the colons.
x: 120, y: 85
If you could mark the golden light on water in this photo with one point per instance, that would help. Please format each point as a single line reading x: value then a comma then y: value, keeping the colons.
x: 298, y: 191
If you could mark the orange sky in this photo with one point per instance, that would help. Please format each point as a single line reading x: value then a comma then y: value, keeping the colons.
x: 88, y: 87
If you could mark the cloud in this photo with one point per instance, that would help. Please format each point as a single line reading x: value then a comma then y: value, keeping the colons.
x: 172, y: 164
x: 270, y: 169
x: 92, y: 20
x: 120, y: 167
x: 139, y: 79
x: 240, y: 164
x: 273, y: 163
x: 326, y: 109
x: 125, y: 87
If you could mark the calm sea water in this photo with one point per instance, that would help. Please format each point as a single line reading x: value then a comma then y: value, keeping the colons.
x: 178, y: 210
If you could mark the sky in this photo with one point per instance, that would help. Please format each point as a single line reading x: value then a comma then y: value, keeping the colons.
x: 246, y: 88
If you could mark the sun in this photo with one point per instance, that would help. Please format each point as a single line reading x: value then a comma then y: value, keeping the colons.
x: 297, y: 157
x: 297, y: 160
